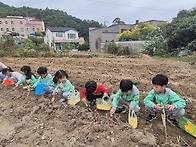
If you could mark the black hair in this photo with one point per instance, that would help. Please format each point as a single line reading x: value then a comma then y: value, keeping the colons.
x: 126, y: 85
x: 160, y: 79
x: 6, y: 70
x: 59, y: 74
x: 42, y: 70
x: 91, y: 86
x: 27, y: 70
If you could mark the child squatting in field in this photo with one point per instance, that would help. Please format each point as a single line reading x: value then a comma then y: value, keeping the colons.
x: 92, y: 91
x: 64, y: 86
x: 9, y: 73
x: 44, y: 77
x: 28, y: 77
x: 128, y: 94
x: 161, y: 97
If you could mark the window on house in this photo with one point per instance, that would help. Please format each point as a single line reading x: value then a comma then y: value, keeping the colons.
x: 59, y: 34
x: 7, y: 29
x: 37, y: 29
x: 12, y: 22
x: 22, y: 29
x: 2, y: 29
x: 58, y: 46
x: 1, y: 22
x: 33, y: 29
x: 27, y: 29
x: 6, y: 22
x: 21, y: 22
x: 71, y: 36
x: 13, y: 29
x: 122, y: 30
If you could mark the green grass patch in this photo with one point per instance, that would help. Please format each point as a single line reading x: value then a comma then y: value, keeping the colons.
x: 190, y: 58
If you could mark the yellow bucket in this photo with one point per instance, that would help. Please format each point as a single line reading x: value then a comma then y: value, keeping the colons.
x: 74, y: 98
x: 103, y: 104
x: 103, y: 107
x: 132, y: 118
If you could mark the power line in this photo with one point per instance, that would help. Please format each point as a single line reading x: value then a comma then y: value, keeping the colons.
x: 131, y: 6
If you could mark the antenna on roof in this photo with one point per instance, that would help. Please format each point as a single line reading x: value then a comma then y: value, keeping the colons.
x: 105, y: 23
x: 27, y: 14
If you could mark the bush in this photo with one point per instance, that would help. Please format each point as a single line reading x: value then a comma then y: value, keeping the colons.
x: 83, y: 47
x: 7, y: 43
x: 67, y: 46
x: 111, y: 47
x: 124, y: 50
x: 2, y: 53
x: 192, y: 45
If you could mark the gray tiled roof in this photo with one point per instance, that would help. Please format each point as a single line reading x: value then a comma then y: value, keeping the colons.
x: 60, y: 29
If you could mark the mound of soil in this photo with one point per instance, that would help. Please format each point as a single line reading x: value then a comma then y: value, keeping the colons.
x: 35, y: 121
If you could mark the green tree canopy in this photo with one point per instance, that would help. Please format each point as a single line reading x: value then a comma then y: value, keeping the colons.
x: 182, y: 30
x: 117, y: 20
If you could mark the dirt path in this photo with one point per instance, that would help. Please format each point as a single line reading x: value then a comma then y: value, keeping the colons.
x: 34, y: 121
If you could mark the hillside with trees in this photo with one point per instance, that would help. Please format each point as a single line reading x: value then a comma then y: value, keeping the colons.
x: 51, y: 18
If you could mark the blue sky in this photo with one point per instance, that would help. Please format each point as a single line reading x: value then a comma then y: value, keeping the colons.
x: 106, y: 10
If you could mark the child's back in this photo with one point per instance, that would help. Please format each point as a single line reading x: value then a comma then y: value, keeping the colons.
x: 16, y: 76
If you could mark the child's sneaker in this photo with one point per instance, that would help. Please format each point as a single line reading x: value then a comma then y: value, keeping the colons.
x: 25, y: 87
x: 121, y: 110
x: 151, y: 117
x: 92, y: 103
x: 173, y: 122
x: 62, y: 100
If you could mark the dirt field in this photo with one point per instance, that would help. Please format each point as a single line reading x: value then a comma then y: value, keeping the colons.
x: 34, y: 121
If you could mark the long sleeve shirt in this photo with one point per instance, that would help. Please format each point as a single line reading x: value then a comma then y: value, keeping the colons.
x: 33, y: 80
x: 48, y: 79
x: 15, y: 76
x: 2, y: 66
x: 169, y: 97
x: 67, y: 87
x: 133, y: 97
x: 100, y: 90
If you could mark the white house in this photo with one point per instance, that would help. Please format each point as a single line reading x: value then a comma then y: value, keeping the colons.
x: 57, y: 36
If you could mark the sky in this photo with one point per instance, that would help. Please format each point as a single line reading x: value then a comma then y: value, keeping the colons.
x: 105, y: 11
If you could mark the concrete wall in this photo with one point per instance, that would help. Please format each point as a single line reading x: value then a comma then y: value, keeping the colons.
x: 136, y: 46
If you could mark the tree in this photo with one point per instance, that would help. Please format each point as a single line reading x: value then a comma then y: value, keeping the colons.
x: 157, y: 46
x: 182, y: 30
x: 98, y: 43
x: 118, y: 21
x: 140, y: 32
x: 124, y: 36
